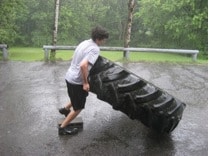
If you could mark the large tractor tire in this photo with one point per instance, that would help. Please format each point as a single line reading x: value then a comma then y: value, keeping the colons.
x: 134, y: 96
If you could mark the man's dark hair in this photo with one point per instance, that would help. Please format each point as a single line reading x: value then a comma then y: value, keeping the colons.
x: 99, y: 33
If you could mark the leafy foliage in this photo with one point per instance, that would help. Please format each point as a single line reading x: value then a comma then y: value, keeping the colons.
x: 175, y: 23
x: 157, y: 23
x: 8, y: 13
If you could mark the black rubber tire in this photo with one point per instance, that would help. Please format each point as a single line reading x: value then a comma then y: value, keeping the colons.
x: 134, y: 96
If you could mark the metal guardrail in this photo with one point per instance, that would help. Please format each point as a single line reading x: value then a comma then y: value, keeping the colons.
x: 127, y: 50
x: 4, y: 50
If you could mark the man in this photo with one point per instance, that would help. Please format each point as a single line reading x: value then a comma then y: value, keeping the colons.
x: 84, y: 57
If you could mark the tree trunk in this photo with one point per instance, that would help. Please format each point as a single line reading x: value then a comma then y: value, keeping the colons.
x: 55, y: 28
x: 131, y: 5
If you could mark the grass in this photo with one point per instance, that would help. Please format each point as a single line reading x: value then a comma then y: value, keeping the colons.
x: 37, y: 54
x: 26, y: 54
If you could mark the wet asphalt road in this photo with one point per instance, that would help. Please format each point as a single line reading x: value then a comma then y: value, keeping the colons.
x: 31, y: 93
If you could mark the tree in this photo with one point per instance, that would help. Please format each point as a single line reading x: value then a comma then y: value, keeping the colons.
x: 8, y: 14
x: 157, y: 23
x: 55, y: 29
x: 35, y: 22
x: 175, y: 23
x: 77, y: 17
x: 131, y: 5
x: 115, y: 21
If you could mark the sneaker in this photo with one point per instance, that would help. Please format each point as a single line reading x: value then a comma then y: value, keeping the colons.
x: 64, y: 111
x: 65, y: 131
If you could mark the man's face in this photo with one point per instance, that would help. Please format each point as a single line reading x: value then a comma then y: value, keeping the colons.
x: 100, y: 42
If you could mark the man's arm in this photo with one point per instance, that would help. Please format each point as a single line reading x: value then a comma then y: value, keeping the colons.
x: 84, y: 71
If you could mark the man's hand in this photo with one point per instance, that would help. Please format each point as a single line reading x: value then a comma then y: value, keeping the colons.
x: 86, y: 87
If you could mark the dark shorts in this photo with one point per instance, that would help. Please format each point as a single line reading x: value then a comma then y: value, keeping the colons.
x: 77, y: 95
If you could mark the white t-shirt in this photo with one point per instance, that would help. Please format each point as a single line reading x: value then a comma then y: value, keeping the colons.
x: 88, y: 50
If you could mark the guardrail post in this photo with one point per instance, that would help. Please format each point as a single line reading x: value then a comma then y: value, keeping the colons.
x: 46, y: 54
x: 126, y: 54
x: 5, y: 53
x: 194, y: 57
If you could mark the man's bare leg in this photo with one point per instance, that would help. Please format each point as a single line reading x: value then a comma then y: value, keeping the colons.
x: 68, y: 106
x: 72, y: 115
